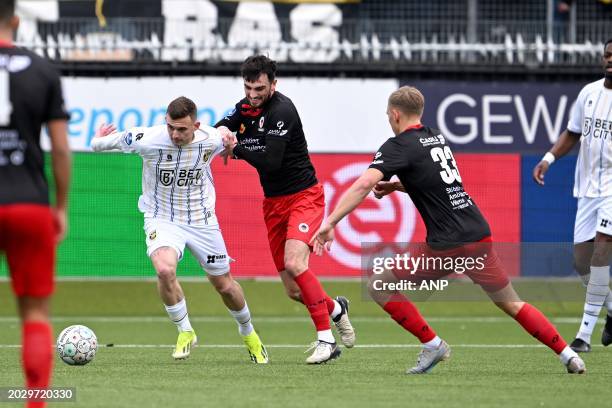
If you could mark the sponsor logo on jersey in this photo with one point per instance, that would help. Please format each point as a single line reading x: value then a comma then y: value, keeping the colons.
x: 377, y: 158
x: 139, y: 136
x: 605, y: 223
x: 280, y: 124
x: 211, y: 259
x: 185, y: 177
x: 242, y: 128
x: 277, y: 132
x: 169, y: 157
x: 153, y: 235
x: 432, y: 140
x: 128, y: 138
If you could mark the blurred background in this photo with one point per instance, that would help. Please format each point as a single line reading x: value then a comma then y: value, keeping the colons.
x: 499, y: 78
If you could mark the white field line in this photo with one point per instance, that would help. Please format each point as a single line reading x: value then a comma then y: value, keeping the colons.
x: 303, y: 346
x: 280, y: 319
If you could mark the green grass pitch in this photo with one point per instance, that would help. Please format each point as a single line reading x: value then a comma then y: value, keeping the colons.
x: 494, y: 363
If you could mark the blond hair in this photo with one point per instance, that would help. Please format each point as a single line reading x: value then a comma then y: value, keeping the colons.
x: 408, y: 100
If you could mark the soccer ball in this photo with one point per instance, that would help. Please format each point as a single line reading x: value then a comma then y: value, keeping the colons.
x: 77, y: 345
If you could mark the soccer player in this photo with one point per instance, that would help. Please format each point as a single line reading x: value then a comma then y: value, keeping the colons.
x: 427, y: 171
x: 269, y: 136
x: 30, y: 229
x: 591, y: 123
x: 178, y: 202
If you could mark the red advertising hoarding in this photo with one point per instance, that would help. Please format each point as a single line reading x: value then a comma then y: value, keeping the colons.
x: 491, y: 179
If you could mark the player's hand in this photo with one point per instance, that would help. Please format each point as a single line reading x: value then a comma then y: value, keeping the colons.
x: 383, y: 188
x: 61, y: 223
x: 539, y: 171
x: 105, y: 130
x: 323, y: 239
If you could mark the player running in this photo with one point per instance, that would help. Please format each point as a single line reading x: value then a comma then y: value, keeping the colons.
x: 269, y: 136
x: 178, y: 202
x: 30, y: 229
x: 590, y: 123
x: 427, y: 171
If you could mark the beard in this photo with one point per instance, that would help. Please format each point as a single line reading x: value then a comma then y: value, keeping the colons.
x: 608, y: 75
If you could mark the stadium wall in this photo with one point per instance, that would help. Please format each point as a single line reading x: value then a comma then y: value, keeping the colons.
x: 345, y: 123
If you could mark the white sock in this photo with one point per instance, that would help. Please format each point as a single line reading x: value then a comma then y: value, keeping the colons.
x: 433, y: 343
x: 337, y: 309
x: 179, y: 316
x: 567, y: 354
x: 243, y: 318
x: 589, y: 320
x: 326, y: 336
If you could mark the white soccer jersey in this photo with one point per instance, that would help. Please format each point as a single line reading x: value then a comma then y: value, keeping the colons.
x: 177, y: 184
x: 591, y: 117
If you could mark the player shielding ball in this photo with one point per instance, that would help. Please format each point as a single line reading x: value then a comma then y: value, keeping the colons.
x: 427, y: 171
x: 269, y: 136
x: 178, y: 202
x: 30, y: 228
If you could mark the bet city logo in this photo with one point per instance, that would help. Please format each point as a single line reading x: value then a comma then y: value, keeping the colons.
x: 390, y: 219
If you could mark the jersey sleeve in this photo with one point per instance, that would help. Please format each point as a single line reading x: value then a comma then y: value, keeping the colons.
x: 390, y: 159
x: 231, y: 120
x: 128, y: 141
x: 55, y: 106
x: 577, y: 114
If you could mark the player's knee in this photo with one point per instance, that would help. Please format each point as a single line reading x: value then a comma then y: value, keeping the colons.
x: 226, y: 288
x: 294, y: 266
x: 165, y: 272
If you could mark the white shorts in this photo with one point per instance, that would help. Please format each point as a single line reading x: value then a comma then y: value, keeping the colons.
x: 593, y: 215
x: 204, y: 242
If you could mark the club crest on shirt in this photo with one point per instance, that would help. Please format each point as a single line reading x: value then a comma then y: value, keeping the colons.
x: 261, y: 123
x: 153, y: 235
x: 166, y: 176
x: 242, y: 128
x: 206, y: 155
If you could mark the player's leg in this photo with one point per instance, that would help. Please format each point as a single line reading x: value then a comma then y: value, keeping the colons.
x: 583, y: 252
x: 208, y: 246
x: 314, y: 298
x: 593, y: 223
x: 28, y: 236
x: 337, y: 308
x: 536, y: 324
x: 407, y: 315
x: 165, y: 260
x: 165, y: 245
x: 306, y: 212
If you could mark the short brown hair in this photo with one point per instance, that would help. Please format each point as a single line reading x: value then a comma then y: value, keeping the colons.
x: 254, y: 66
x: 182, y: 107
x: 408, y: 100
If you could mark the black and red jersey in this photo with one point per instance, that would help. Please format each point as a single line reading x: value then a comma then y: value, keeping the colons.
x: 272, y: 140
x: 425, y: 165
x: 30, y: 95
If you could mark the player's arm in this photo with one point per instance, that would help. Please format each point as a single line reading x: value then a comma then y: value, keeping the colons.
x: 567, y: 140
x: 61, y: 164
x: 267, y: 161
x: 351, y: 198
x: 383, y: 188
x: 107, y: 138
x: 56, y: 119
x: 230, y: 122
